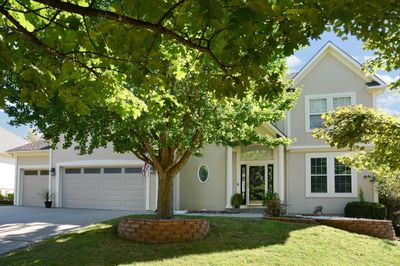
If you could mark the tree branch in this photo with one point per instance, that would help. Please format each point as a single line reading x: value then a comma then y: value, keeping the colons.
x: 48, y: 50
x: 155, y: 27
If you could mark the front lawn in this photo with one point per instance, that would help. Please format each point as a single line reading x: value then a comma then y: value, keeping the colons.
x: 232, y: 241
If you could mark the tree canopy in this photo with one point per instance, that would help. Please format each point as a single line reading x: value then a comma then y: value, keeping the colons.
x: 162, y: 78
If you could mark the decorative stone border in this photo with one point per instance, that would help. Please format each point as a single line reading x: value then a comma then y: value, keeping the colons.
x: 163, y: 231
x: 377, y: 228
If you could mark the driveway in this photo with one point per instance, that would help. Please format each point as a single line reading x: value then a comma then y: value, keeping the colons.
x: 22, y: 226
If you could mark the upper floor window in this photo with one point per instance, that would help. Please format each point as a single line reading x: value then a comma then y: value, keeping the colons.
x: 317, y: 105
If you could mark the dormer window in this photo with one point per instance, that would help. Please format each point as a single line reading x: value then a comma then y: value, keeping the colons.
x: 317, y: 105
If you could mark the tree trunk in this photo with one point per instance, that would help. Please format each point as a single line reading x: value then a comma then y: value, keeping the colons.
x: 165, y: 197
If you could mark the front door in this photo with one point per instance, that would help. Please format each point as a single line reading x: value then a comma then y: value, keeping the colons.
x: 256, y: 183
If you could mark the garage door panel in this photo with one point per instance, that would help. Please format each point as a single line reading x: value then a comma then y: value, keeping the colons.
x: 87, y: 204
x: 112, y: 192
x: 118, y: 191
x: 92, y: 180
x: 133, y: 193
x: 113, y: 204
x: 135, y: 182
x: 112, y: 181
x: 134, y: 204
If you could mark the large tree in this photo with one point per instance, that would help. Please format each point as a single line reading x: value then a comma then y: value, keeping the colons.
x: 165, y: 77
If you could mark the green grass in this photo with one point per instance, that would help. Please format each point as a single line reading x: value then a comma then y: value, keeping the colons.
x: 232, y: 241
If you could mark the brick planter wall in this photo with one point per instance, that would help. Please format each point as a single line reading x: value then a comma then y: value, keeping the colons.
x: 162, y: 231
x: 377, y: 228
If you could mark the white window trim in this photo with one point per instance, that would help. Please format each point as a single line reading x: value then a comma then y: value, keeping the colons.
x: 330, y: 157
x: 329, y: 98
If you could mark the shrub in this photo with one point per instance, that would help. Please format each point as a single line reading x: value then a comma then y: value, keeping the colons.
x: 270, y: 196
x: 272, y: 204
x: 9, y: 197
x: 365, y: 209
x: 236, y: 200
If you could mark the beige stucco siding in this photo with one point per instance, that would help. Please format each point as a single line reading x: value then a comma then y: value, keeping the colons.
x: 32, y: 160
x: 296, y: 189
x: 70, y: 154
x: 210, y: 195
x: 329, y: 76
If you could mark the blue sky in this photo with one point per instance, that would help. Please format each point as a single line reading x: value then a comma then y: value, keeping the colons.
x: 389, y: 101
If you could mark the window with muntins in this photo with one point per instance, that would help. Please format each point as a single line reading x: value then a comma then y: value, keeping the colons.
x: 316, y: 106
x: 342, y: 178
x: 327, y: 177
x: 319, y: 175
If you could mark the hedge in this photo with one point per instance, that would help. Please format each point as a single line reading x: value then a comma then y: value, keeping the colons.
x: 365, y: 209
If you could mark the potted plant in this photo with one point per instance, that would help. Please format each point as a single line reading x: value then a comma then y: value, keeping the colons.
x: 272, y: 204
x: 236, y: 200
x: 47, y: 196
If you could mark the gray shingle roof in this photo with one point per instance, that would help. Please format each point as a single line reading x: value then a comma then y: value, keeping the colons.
x: 9, y: 140
x: 37, y: 146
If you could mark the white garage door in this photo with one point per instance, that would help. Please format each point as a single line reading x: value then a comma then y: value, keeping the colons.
x: 35, y: 181
x: 117, y: 188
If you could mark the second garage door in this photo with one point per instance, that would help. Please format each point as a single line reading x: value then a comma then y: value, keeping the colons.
x: 116, y: 188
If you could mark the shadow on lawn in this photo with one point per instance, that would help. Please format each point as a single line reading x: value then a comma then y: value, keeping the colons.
x: 101, y: 245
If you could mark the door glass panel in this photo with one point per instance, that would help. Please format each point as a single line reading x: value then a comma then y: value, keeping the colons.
x: 243, y: 183
x: 270, y: 177
x: 256, y: 182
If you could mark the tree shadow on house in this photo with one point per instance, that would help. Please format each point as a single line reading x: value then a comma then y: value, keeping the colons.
x: 100, y: 244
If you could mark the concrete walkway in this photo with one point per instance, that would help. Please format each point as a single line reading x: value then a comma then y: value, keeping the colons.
x: 22, y: 226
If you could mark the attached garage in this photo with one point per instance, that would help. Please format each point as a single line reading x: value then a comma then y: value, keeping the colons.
x: 103, y: 187
x: 34, y: 182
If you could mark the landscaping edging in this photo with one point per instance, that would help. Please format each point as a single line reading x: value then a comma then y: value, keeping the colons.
x: 377, y: 228
x: 163, y: 231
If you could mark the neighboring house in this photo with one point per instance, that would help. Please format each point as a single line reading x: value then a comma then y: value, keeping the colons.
x: 305, y: 174
x: 7, y: 164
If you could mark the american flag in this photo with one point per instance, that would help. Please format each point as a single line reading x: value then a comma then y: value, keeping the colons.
x: 146, y: 167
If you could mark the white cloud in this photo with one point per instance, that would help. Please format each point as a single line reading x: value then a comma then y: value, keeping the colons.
x: 1, y: 111
x: 388, y: 79
x: 389, y: 102
x: 293, y: 62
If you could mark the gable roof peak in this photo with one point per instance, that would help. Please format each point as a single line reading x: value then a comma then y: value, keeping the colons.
x: 341, y: 55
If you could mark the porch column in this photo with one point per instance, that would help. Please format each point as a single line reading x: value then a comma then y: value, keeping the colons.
x: 177, y: 191
x: 50, y: 166
x: 147, y: 182
x: 376, y: 194
x: 281, y: 173
x: 228, y: 177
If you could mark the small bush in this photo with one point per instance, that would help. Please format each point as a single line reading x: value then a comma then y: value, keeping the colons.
x: 365, y: 209
x: 272, y: 204
x: 9, y: 197
x: 236, y: 200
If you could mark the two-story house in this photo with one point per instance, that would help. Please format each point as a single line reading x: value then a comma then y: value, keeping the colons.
x: 305, y: 174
